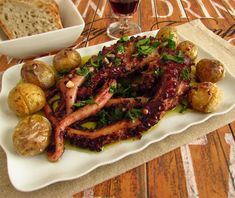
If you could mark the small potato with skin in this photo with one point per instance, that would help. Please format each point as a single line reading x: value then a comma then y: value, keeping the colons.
x: 26, y: 98
x: 38, y: 73
x: 66, y: 60
x: 189, y: 49
x: 209, y: 70
x: 168, y: 32
x: 32, y: 135
x: 205, y: 97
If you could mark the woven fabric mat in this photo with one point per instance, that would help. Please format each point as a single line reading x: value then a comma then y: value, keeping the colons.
x: 201, y: 36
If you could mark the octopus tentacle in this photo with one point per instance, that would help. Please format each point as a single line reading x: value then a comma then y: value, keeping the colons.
x: 100, y: 100
x: 132, y: 102
x: 129, y: 63
x: 71, y: 92
x: 50, y: 115
x: 68, y: 87
x: 95, y: 140
x: 160, y: 82
x: 167, y: 96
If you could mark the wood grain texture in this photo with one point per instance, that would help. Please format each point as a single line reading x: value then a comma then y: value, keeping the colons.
x: 212, y: 168
x: 170, y: 13
x: 146, y: 14
x: 165, y: 176
x: 168, y: 175
x: 232, y: 126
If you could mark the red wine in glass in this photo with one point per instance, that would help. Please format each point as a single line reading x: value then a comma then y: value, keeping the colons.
x: 124, y: 7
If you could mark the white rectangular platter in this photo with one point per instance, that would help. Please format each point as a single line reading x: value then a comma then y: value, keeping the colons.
x: 28, y: 174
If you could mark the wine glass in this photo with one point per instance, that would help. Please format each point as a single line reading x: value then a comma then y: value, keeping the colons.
x: 124, y: 9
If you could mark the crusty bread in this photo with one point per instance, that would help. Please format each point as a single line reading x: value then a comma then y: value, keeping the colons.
x: 20, y: 18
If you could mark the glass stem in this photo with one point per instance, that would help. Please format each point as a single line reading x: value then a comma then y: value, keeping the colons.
x: 124, y: 23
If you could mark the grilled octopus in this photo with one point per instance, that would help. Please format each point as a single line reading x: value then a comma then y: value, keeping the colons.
x: 123, y: 64
x: 159, y: 93
x: 167, y: 96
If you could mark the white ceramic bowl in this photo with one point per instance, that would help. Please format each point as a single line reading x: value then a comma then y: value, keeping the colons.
x: 50, y: 41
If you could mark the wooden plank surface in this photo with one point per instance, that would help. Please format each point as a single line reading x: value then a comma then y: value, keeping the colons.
x: 198, y: 170
x: 203, y: 168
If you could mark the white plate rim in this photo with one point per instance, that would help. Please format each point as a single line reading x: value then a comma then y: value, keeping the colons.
x: 127, y: 153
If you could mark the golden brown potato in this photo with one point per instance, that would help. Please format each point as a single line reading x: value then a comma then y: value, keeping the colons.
x: 66, y: 60
x: 168, y: 32
x: 204, y: 97
x: 32, y: 135
x: 38, y: 73
x: 189, y: 49
x: 26, y: 98
x: 209, y: 70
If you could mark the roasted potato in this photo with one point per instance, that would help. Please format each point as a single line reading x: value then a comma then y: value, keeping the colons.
x: 38, y: 73
x: 32, y: 135
x: 204, y: 97
x: 168, y: 32
x: 26, y: 98
x: 189, y: 49
x: 66, y: 60
x: 208, y: 70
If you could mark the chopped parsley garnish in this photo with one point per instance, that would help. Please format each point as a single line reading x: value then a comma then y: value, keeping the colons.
x: 156, y: 44
x: 112, y: 89
x: 180, y: 54
x: 144, y: 47
x: 143, y: 42
x: 184, y: 105
x: 97, y: 62
x: 134, y: 113
x: 117, y: 114
x: 123, y: 90
x: 121, y: 49
x: 109, y: 116
x: 170, y: 42
x: 185, y: 74
x: 124, y: 39
x: 158, y: 72
x: 144, y: 50
x: 83, y: 103
x: 105, y: 117
x: 179, y: 58
x: 117, y: 61
x: 102, y: 118
x: 167, y: 57
x: 82, y: 71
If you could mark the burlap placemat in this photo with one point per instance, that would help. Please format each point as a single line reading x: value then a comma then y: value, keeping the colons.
x: 200, y: 35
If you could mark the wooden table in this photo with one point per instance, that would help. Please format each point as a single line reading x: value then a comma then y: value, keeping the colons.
x: 203, y: 168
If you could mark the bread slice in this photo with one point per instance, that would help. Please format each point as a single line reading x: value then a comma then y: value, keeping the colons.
x: 19, y: 18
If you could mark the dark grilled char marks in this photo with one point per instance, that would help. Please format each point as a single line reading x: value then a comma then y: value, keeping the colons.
x: 151, y: 76
x: 96, y: 144
x: 95, y: 140
x: 100, y: 77
x: 133, y: 92
x: 167, y: 96
x: 101, y: 99
x: 116, y: 63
